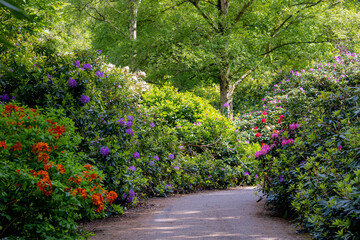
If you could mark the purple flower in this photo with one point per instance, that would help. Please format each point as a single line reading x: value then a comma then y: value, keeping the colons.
x: 176, y: 168
x: 294, y: 126
x: 132, y: 168
x: 77, y: 63
x: 99, y: 50
x: 339, y: 148
x: 87, y: 66
x: 226, y: 104
x: 136, y: 155
x: 246, y: 174
x: 168, y: 186
x: 256, y: 176
x: 181, y: 147
x: 130, y: 118
x: 50, y: 77
x: 281, y: 178
x: 264, y: 150
x: 152, y: 125
x: 131, y: 195
x: 84, y: 99
x: 274, y: 135
x: 5, y: 97
x: 156, y: 158
x: 130, y: 132
x: 171, y: 156
x: 104, y: 151
x: 99, y: 74
x: 129, y: 124
x: 151, y: 163
x: 301, y: 89
x: 121, y: 121
x: 72, y: 82
x: 290, y: 141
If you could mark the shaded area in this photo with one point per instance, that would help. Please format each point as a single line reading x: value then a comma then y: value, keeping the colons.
x: 229, y: 214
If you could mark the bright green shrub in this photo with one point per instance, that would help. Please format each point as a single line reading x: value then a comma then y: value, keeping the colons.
x: 44, y: 187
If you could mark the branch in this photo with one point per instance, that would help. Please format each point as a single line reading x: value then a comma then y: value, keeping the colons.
x: 242, y: 11
x: 112, y: 6
x: 208, y: 19
x: 291, y: 43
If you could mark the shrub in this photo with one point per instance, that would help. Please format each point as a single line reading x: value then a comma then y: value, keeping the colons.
x: 44, y: 187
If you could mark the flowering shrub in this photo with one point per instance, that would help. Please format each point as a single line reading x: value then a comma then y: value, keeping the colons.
x: 44, y: 187
x: 310, y: 153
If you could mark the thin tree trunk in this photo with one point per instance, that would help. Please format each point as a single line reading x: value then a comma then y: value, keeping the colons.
x: 134, y: 6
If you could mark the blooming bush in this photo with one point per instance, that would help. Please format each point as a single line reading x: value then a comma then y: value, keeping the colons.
x: 310, y: 153
x: 44, y: 187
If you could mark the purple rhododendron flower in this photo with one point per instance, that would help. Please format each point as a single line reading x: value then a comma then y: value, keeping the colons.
x: 274, y: 135
x: 152, y: 125
x: 129, y: 124
x: 121, y: 121
x: 130, y: 132
x: 99, y: 74
x: 294, y: 126
x: 131, y: 195
x: 339, y: 148
x: 246, y: 173
x: 136, y: 155
x: 5, y: 97
x: 171, y: 156
x: 87, y: 66
x: 84, y: 99
x: 256, y: 176
x: 77, y: 63
x: 151, y: 163
x: 130, y: 118
x: 176, y: 168
x: 281, y: 178
x: 156, y: 158
x: 104, y: 151
x: 132, y: 168
x: 49, y: 77
x: 181, y: 147
x: 226, y: 104
x: 168, y: 186
x: 72, y: 82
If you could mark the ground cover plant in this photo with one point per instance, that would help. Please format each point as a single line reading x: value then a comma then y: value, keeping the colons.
x: 309, y: 127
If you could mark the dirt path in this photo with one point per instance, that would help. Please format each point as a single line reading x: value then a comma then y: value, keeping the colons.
x: 229, y: 214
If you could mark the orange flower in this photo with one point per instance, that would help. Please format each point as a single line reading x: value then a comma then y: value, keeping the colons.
x: 111, y: 196
x: 3, y: 144
x: 49, y: 121
x: 34, y: 173
x: 61, y: 169
x: 17, y: 170
x: 45, y: 186
x: 49, y: 165
x: 81, y: 191
x: 77, y: 180
x: 57, y: 131
x: 16, y: 147
x: 43, y: 157
x: 40, y: 147
x: 98, y: 201
x: 88, y: 167
x: 44, y: 173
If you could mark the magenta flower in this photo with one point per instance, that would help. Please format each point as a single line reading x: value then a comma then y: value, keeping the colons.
x: 176, y: 168
x: 339, y: 148
x: 226, y: 104
x: 246, y: 174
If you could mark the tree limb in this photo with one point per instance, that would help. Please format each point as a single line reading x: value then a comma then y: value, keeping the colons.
x: 292, y: 43
x: 242, y: 11
x: 207, y: 18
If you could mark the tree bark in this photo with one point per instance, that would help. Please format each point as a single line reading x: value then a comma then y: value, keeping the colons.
x: 133, y: 6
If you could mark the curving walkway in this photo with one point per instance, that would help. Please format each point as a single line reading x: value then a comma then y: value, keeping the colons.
x: 229, y: 214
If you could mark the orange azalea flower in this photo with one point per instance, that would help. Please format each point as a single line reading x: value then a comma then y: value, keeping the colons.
x: 45, y: 186
x: 43, y: 157
x: 34, y: 173
x: 49, y: 121
x: 57, y: 131
x: 81, y: 191
x: 88, y: 167
x: 40, y: 147
x: 77, y: 180
x: 3, y: 144
x: 48, y: 165
x: 98, y: 201
x: 44, y: 173
x: 61, y: 169
x: 111, y: 196
x: 16, y: 147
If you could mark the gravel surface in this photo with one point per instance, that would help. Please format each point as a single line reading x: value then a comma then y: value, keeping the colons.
x: 228, y: 214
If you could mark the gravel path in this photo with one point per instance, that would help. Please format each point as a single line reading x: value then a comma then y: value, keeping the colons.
x: 229, y: 214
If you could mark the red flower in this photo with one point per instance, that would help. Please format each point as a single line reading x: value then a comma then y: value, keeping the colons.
x: 256, y: 128
x: 282, y: 117
x: 264, y: 113
x: 263, y: 120
x: 279, y: 120
x: 258, y: 135
x: 3, y: 144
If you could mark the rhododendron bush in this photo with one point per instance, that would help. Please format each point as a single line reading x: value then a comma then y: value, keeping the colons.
x: 44, y: 188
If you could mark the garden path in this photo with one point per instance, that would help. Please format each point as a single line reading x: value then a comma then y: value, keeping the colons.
x: 228, y: 214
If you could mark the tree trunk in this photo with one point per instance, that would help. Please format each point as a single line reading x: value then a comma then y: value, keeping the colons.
x: 226, y: 100
x: 134, y: 6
